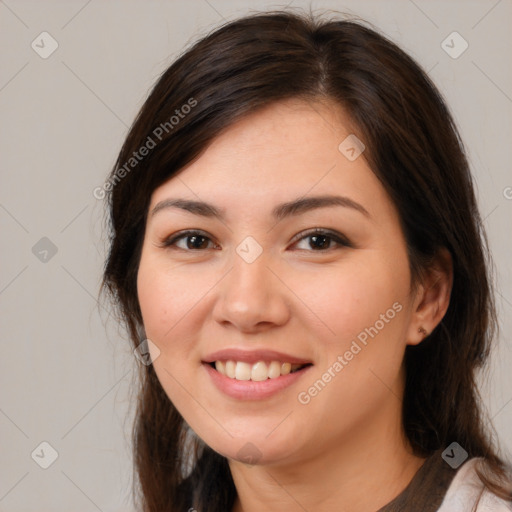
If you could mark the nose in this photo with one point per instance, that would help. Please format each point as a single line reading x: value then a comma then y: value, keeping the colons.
x: 251, y: 297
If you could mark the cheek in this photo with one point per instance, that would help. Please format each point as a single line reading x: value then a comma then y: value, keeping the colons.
x: 162, y: 297
x: 173, y: 299
x: 166, y: 299
x: 349, y: 298
x: 155, y: 299
x: 360, y: 363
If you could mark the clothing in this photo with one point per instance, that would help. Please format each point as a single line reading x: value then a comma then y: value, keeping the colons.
x: 437, y: 487
x: 426, y: 490
x: 465, y: 489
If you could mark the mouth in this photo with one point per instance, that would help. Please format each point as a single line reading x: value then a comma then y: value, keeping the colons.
x: 254, y: 381
x: 256, y: 372
x: 253, y: 374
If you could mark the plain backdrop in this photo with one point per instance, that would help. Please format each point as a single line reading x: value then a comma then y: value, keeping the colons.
x: 65, y: 369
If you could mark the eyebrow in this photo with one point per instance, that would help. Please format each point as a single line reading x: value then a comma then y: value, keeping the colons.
x: 281, y: 211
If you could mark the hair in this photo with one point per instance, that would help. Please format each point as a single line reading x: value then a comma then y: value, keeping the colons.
x: 412, y: 146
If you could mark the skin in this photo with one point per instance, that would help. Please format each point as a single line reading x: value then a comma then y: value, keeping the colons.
x: 345, y: 449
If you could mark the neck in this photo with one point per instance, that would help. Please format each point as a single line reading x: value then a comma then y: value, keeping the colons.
x: 365, y: 470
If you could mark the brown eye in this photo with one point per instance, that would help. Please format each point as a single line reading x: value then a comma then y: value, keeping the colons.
x: 189, y: 241
x: 321, y: 240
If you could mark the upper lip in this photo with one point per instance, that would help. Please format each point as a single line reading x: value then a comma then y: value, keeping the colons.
x: 252, y: 356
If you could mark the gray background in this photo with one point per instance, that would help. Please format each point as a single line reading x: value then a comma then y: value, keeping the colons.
x: 65, y: 369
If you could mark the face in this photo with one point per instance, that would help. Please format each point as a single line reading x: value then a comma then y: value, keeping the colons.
x: 266, y: 276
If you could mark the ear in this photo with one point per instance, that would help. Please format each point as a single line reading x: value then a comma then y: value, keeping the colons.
x: 432, y: 298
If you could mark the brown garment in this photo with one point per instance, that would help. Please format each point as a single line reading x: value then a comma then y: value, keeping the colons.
x: 427, y: 488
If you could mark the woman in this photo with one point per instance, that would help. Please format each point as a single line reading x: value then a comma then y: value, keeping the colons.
x: 296, y: 243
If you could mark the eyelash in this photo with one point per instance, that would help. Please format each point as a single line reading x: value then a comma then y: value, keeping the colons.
x: 338, y: 238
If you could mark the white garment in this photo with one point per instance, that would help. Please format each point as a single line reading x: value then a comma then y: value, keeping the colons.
x: 464, y: 490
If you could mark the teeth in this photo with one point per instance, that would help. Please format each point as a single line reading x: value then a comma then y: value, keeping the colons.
x: 230, y: 369
x: 274, y: 369
x: 259, y: 371
x: 243, y: 371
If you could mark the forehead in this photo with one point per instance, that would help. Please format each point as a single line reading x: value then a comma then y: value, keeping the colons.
x: 287, y: 150
x: 291, y: 136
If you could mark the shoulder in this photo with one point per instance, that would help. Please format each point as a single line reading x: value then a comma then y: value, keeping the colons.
x: 465, y: 490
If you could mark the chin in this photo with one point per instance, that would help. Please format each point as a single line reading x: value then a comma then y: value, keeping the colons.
x: 255, y: 450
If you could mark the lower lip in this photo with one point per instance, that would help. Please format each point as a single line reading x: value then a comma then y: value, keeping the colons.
x: 253, y: 390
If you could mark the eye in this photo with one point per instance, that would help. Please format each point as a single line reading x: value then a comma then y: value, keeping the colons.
x: 189, y: 241
x: 322, y: 240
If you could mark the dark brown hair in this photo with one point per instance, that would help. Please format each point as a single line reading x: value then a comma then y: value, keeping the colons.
x: 413, y: 147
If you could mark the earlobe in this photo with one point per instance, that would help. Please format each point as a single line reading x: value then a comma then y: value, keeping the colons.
x: 432, y: 298
x: 423, y: 331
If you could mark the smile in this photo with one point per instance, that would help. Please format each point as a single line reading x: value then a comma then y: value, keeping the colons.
x: 249, y: 389
x: 257, y: 372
